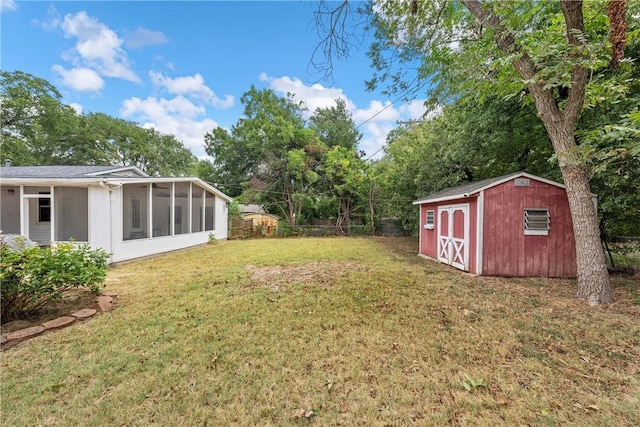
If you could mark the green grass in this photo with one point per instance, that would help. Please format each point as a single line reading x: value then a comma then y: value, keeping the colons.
x: 239, y: 334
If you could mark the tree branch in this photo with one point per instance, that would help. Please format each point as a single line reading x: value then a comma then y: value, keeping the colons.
x: 572, y: 11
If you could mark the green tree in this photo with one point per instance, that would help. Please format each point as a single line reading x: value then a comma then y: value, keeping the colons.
x: 335, y: 126
x: 38, y: 129
x: 265, y: 152
x: 543, y: 52
x: 346, y: 175
x: 109, y: 140
x: 36, y: 125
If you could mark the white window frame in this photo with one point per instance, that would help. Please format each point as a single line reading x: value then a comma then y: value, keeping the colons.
x: 430, y: 219
x: 534, y: 223
x: 42, y: 206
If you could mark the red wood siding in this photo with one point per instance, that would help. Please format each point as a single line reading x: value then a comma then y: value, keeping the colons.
x: 507, y: 251
x: 429, y: 238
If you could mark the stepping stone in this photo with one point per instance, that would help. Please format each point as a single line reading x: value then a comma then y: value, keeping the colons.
x: 60, y: 322
x: 104, y: 303
x: 25, y: 333
x: 85, y: 313
x: 108, y: 294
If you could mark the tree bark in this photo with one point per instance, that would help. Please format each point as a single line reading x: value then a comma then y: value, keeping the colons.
x: 593, y: 277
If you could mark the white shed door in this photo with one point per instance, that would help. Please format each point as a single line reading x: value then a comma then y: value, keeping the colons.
x: 453, y: 235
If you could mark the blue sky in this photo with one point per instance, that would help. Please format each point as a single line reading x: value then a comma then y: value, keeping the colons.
x: 182, y: 67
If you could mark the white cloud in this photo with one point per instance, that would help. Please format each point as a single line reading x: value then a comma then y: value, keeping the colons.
x: 142, y: 37
x: 80, y: 79
x: 374, y: 138
x: 377, y: 112
x: 193, y: 86
x: 315, y: 95
x: 7, y: 5
x: 414, y: 109
x: 177, y: 116
x: 79, y: 108
x: 97, y: 47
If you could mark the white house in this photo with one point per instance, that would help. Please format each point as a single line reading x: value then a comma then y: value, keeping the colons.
x: 120, y: 209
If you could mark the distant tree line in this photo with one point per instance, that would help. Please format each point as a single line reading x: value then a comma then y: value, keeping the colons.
x: 39, y: 129
x: 310, y: 170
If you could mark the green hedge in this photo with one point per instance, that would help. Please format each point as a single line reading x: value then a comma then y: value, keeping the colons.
x: 31, y: 277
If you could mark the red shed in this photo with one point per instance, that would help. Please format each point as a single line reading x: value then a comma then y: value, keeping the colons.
x: 513, y: 225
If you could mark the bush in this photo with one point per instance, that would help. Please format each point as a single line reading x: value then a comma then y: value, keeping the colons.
x: 32, y: 277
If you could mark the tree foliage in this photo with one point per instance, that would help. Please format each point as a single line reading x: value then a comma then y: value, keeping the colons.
x: 548, y: 54
x: 39, y: 129
x: 302, y: 170
x: 335, y: 127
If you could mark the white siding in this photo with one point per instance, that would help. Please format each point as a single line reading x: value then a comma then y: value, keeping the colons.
x: 10, y: 205
x: 100, y: 218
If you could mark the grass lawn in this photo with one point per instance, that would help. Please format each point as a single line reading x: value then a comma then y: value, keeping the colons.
x: 331, y: 331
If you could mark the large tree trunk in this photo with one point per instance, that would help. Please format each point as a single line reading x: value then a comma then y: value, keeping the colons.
x: 593, y: 277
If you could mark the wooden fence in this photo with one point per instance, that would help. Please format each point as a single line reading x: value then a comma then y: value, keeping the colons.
x: 240, y: 229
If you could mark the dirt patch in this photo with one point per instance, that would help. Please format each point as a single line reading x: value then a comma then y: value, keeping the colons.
x: 72, y: 301
x: 318, y: 273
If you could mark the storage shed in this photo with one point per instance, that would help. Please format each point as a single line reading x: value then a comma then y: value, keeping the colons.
x: 513, y: 225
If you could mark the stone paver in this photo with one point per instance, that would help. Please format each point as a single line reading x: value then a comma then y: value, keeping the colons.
x: 25, y: 333
x: 85, y: 313
x: 60, y: 322
x: 108, y: 294
x: 104, y: 303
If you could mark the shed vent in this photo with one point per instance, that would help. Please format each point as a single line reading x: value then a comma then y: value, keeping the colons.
x: 536, y: 222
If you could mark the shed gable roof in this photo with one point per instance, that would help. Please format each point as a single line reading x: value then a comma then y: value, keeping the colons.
x: 251, y: 208
x: 70, y: 172
x: 472, y: 188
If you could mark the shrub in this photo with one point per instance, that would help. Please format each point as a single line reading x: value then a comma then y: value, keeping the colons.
x: 32, y: 277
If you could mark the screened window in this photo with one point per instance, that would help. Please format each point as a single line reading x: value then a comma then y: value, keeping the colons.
x: 135, y: 213
x: 209, y: 211
x: 181, y: 214
x: 536, y: 222
x: 197, y: 220
x: 430, y: 221
x: 161, y: 209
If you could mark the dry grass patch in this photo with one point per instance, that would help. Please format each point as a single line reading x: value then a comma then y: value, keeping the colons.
x: 396, y: 340
x: 317, y: 273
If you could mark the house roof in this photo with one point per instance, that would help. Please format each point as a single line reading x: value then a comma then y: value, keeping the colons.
x: 251, y: 208
x: 472, y: 188
x: 70, y: 172
x: 89, y: 175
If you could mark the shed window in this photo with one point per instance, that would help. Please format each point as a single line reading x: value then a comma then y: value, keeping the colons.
x: 430, y: 222
x: 536, y: 222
